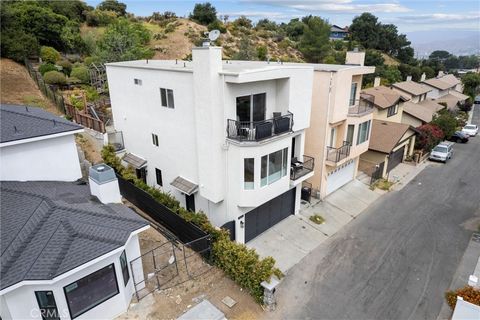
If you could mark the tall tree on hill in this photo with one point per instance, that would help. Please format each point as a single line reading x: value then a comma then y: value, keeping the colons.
x: 204, y: 13
x: 314, y: 43
x: 113, y: 5
x: 365, y: 29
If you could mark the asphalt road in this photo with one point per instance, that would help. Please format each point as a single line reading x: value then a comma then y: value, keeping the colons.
x: 396, y: 260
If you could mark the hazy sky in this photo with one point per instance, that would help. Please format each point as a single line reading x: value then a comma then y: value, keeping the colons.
x: 408, y: 15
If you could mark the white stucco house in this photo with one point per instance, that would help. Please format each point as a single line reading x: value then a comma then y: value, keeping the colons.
x: 64, y: 253
x: 31, y: 141
x: 223, y: 137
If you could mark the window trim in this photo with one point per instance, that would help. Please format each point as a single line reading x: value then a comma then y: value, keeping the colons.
x: 98, y: 303
x: 124, y: 254
x: 158, y: 173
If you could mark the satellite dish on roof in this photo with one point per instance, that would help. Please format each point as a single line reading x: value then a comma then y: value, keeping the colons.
x: 213, y: 35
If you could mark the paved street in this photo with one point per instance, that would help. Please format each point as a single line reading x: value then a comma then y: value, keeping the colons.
x: 396, y: 259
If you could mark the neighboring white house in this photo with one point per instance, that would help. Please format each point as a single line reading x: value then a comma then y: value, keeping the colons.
x: 223, y: 137
x: 64, y: 253
x: 446, y: 88
x: 37, y: 146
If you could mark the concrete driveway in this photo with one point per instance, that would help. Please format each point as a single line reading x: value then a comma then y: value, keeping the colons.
x: 397, y: 259
x: 295, y: 237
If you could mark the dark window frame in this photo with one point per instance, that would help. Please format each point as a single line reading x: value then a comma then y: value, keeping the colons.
x: 158, y: 177
x: 137, y: 81
x: 155, y: 139
x: 393, y: 110
x: 167, y: 99
x: 99, y: 302
x: 125, y: 271
x: 252, y: 100
x: 40, y: 307
x: 248, y: 176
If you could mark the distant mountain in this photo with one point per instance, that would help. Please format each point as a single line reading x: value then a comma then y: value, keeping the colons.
x: 457, y: 42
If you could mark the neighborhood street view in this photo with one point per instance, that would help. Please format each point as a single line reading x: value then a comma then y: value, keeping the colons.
x: 239, y: 159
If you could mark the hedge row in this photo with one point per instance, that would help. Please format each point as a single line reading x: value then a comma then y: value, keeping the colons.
x: 241, y: 264
x: 468, y: 294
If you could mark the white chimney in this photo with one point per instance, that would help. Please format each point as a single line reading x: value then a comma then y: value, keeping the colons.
x: 423, y: 77
x: 355, y: 57
x: 440, y: 73
x: 409, y: 78
x: 376, y: 82
x: 104, y: 184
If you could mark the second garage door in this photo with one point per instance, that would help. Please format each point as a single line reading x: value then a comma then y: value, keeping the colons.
x: 395, y: 158
x: 268, y: 214
x: 340, y: 176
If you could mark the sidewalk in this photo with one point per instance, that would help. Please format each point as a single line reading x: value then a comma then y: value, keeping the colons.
x: 404, y: 173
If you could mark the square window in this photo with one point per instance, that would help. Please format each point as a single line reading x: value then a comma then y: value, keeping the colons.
x: 138, y: 82
x: 166, y: 96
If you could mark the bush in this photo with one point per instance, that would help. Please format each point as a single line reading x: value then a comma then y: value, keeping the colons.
x: 262, y: 53
x: 81, y: 73
x: 66, y: 66
x: 468, y: 294
x: 45, y: 67
x: 55, y: 77
x: 430, y: 135
x: 98, y: 18
x: 217, y: 25
x: 241, y: 264
x: 446, y: 121
x: 204, y: 13
x: 467, y: 106
x: 89, y: 60
x: 49, y: 55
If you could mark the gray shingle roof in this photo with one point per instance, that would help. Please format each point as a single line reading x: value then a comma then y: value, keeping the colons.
x: 49, y: 228
x: 23, y: 122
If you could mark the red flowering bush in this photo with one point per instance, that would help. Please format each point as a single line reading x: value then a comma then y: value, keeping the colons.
x: 468, y: 294
x: 430, y: 135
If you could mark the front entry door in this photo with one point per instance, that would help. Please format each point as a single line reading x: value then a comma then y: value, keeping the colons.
x: 47, y: 305
x: 190, y: 202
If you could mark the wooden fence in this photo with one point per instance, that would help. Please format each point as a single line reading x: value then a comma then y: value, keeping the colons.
x: 84, y: 119
x: 77, y: 116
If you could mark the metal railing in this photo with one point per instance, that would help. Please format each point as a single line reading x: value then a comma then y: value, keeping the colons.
x: 259, y: 130
x: 362, y: 105
x: 337, y: 154
x: 299, y: 169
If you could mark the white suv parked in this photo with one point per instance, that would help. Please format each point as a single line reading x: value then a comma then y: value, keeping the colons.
x: 442, y: 152
x: 470, y: 129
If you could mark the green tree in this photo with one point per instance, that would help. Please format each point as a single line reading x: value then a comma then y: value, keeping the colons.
x: 243, y: 21
x: 266, y: 24
x: 217, y: 25
x: 124, y: 40
x: 66, y: 66
x: 18, y: 45
x: 294, y: 29
x: 406, y: 55
x: 315, y: 43
x: 365, y: 29
x: 113, y: 5
x: 439, y: 55
x: 204, y: 13
x: 72, y: 9
x: 429, y: 72
x: 471, y: 84
x: 71, y: 38
x: 373, y: 58
x: 262, y: 53
x: 49, y: 54
x: 391, y: 74
x: 451, y: 63
x: 446, y: 121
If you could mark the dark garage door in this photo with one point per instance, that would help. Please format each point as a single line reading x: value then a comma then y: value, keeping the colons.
x: 395, y: 158
x: 268, y: 214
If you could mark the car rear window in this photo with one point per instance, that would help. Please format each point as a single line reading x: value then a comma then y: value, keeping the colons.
x: 470, y: 127
x: 440, y: 149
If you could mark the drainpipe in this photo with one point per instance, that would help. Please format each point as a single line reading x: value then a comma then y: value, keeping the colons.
x: 322, y: 170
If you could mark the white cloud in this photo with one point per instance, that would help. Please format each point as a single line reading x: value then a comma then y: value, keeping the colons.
x: 260, y: 14
x: 439, y: 18
x: 336, y: 6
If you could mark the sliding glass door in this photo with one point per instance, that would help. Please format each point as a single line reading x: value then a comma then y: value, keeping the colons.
x: 251, y: 108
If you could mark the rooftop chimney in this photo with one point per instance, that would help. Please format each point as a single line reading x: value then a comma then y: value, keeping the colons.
x: 104, y: 184
x: 440, y: 73
x: 376, y: 82
x: 409, y: 78
x: 423, y: 77
x: 355, y: 57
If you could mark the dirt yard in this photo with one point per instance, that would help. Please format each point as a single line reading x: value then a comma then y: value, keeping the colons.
x: 173, y: 302
x: 17, y: 87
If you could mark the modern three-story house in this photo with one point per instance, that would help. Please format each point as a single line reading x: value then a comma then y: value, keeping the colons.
x: 223, y: 137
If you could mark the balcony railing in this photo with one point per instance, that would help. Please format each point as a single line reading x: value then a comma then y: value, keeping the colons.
x: 299, y: 169
x: 259, y: 130
x: 338, y: 154
x: 362, y: 105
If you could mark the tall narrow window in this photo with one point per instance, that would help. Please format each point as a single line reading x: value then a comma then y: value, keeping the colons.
x: 350, y: 131
x: 274, y: 166
x: 124, y: 265
x: 263, y: 171
x: 248, y: 173
x: 47, y: 305
x: 158, y: 174
x: 333, y: 137
x: 155, y: 139
x: 353, y: 93
x: 284, y: 162
x: 363, y: 131
x: 166, y: 97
